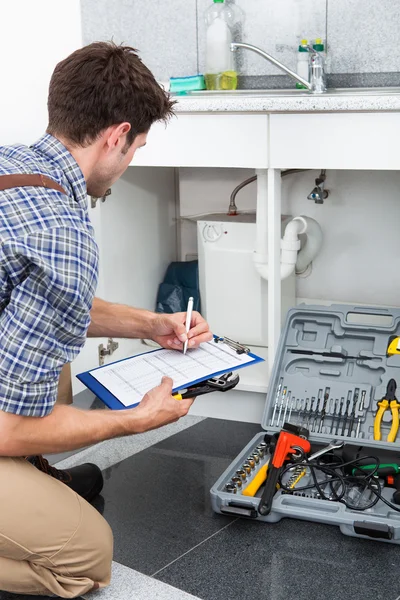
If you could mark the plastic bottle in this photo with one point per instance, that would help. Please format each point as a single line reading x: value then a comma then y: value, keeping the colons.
x: 303, y: 64
x: 320, y: 47
x: 220, y: 73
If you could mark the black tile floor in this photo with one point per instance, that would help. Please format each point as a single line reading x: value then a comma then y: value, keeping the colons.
x: 157, y: 502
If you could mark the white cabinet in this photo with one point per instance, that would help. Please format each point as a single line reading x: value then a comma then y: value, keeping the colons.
x: 335, y: 141
x: 207, y: 140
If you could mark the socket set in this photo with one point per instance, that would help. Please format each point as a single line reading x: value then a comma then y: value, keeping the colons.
x: 335, y: 377
x: 252, y: 468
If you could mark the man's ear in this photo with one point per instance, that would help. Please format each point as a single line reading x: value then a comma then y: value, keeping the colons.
x: 117, y: 135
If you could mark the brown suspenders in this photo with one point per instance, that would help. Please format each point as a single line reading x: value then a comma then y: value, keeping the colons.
x: 64, y: 395
x: 26, y: 179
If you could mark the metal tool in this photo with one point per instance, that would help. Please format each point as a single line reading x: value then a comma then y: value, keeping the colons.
x: 310, y: 412
x: 251, y: 461
x: 388, y: 401
x: 346, y: 412
x: 317, y: 405
x: 230, y: 487
x: 292, y: 404
x: 241, y: 473
x: 333, y: 445
x: 246, y: 467
x: 298, y: 471
x: 237, y: 481
x: 353, y: 411
x: 278, y: 393
x: 301, y: 412
x: 323, y: 412
x: 331, y: 354
x: 239, y: 348
x: 286, y: 407
x: 340, y: 415
x: 256, y: 457
x: 360, y: 410
x: 283, y: 395
x: 223, y: 383
x: 335, y: 413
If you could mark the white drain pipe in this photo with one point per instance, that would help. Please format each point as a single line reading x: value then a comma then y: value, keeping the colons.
x: 291, y: 258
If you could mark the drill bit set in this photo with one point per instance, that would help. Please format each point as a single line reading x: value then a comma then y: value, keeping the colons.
x: 327, y: 451
x: 322, y: 412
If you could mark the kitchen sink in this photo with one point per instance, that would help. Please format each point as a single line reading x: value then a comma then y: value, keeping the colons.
x: 263, y: 93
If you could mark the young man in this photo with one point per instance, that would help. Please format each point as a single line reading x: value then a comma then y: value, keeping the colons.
x: 102, y: 102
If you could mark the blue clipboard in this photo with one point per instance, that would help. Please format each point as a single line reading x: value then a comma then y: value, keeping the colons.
x: 112, y: 401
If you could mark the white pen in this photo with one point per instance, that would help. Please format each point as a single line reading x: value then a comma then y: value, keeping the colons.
x: 188, y: 321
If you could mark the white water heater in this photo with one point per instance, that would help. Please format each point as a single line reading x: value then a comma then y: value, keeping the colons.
x: 234, y: 297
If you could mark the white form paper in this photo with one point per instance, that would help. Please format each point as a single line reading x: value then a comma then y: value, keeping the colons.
x: 130, y: 379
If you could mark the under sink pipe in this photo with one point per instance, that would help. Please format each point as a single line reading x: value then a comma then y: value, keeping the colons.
x: 233, y: 210
x: 290, y: 243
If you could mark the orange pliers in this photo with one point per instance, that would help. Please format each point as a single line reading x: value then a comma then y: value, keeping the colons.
x: 388, y: 401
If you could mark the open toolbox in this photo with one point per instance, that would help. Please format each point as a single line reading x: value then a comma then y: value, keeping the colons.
x: 323, y: 455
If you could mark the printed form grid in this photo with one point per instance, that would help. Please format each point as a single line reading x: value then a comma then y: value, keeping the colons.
x: 130, y: 379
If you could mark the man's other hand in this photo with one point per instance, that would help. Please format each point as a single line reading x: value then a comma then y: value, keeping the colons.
x: 159, y: 408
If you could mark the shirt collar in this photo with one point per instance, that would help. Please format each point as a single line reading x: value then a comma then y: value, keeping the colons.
x: 53, y: 150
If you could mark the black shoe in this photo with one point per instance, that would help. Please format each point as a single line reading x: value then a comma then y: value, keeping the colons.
x: 86, y: 480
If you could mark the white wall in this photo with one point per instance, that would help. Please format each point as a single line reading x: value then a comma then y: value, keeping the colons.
x: 359, y: 261
x: 34, y: 37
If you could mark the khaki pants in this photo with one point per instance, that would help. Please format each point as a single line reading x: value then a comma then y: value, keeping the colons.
x: 51, y: 540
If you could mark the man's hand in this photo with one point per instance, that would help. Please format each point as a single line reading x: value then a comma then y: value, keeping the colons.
x: 159, y: 408
x: 170, y: 332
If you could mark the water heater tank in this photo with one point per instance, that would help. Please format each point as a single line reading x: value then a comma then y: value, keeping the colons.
x: 234, y: 298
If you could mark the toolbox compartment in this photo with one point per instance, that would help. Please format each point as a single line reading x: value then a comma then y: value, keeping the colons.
x: 346, y: 332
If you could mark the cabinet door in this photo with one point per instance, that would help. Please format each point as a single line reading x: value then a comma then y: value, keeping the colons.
x: 136, y: 233
x: 208, y: 140
x: 35, y: 36
x: 335, y: 141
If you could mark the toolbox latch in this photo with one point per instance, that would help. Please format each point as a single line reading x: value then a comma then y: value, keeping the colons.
x: 240, y: 510
x: 374, y: 530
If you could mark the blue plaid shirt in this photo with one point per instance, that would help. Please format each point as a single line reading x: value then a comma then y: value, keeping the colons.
x: 48, y: 275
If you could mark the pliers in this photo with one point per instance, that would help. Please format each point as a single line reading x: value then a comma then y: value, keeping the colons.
x: 389, y: 400
x: 223, y: 383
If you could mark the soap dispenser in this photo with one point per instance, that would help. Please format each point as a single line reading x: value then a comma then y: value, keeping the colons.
x: 220, y: 73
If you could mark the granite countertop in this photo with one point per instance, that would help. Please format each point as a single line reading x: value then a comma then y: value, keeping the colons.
x: 348, y: 100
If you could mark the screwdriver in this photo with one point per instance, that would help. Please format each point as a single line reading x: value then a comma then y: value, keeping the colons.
x: 383, y: 470
x: 329, y: 354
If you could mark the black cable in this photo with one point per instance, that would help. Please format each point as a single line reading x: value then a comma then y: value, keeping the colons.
x: 335, y: 474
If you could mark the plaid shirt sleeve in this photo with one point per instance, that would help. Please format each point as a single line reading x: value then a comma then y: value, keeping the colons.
x: 47, y: 284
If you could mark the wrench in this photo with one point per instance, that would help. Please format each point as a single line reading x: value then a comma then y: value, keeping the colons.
x: 334, y: 445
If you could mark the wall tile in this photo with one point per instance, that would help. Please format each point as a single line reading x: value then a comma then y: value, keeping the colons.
x: 364, y: 35
x: 276, y: 27
x: 163, y: 32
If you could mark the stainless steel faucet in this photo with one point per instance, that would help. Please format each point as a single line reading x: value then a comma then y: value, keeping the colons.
x: 316, y: 85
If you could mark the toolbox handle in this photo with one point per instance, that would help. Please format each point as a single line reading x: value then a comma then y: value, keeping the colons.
x: 373, y: 530
x: 368, y: 315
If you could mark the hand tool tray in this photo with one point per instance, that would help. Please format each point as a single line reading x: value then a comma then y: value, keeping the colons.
x: 331, y: 369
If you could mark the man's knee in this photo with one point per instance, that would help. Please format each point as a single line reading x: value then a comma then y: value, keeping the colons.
x: 90, y: 551
x: 103, y: 546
